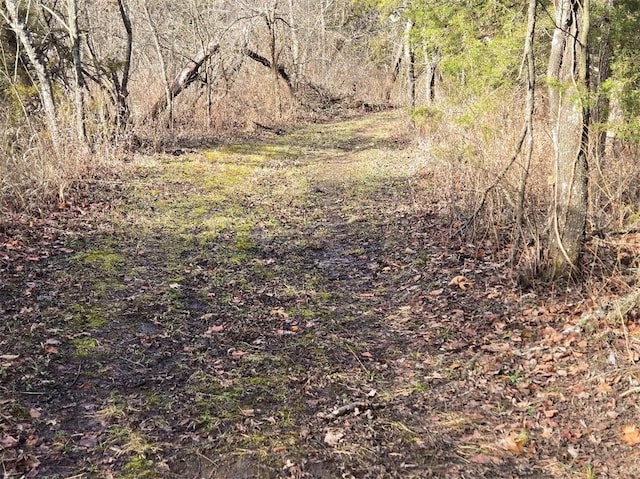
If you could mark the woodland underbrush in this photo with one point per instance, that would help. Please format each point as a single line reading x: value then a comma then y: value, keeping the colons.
x: 492, y: 194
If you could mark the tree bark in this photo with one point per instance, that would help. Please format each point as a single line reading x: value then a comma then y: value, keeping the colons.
x: 569, y: 118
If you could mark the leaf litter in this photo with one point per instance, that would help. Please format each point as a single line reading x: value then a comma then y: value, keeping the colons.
x: 310, y: 317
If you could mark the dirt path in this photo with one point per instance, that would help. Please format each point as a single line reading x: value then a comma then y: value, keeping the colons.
x: 290, y: 307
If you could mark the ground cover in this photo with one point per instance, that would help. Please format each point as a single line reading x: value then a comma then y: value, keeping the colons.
x: 294, y: 306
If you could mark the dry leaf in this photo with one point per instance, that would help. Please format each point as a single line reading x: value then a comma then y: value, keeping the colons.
x: 485, y: 459
x: 630, y: 435
x: 604, y: 388
x: 8, y: 442
x: 333, y: 437
x: 461, y: 282
x: 515, y: 442
x: 237, y: 353
x: 218, y: 328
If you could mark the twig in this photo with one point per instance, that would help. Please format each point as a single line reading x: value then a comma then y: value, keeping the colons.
x: 628, y: 392
x: 75, y: 380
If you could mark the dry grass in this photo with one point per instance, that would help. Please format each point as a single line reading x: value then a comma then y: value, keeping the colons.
x: 469, y: 148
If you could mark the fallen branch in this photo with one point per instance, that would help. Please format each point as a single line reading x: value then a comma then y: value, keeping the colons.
x: 351, y: 407
x: 186, y: 77
x: 610, y: 312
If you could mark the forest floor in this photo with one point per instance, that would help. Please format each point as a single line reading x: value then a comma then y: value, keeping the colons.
x: 295, y: 307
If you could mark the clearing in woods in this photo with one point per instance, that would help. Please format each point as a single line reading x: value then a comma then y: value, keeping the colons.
x: 291, y: 307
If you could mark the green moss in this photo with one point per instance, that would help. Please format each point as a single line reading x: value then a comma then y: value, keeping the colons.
x: 139, y: 467
x: 84, y: 346
x: 105, y: 260
x: 87, y: 318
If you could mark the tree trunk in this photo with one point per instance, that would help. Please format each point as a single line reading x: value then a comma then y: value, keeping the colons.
x: 395, y: 71
x: 602, y: 56
x: 410, y: 63
x: 431, y: 62
x: 44, y: 79
x: 122, y: 87
x: 186, y: 77
x: 569, y: 118
x: 74, y: 35
x: 163, y: 66
x: 295, y: 46
x: 271, y: 24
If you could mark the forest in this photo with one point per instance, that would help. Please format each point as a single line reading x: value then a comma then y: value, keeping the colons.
x: 319, y: 239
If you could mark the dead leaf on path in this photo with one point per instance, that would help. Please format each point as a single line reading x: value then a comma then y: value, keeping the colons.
x: 248, y: 412
x: 461, y: 282
x: 215, y: 329
x: 279, y: 312
x: 8, y: 442
x: 485, y: 459
x: 630, y: 435
x: 34, y: 413
x: 237, y: 353
x: 604, y: 388
x: 333, y: 437
x: 515, y: 442
x: 9, y: 357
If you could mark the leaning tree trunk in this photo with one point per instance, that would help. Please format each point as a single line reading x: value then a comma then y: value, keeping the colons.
x: 39, y: 66
x: 569, y: 118
x: 183, y: 79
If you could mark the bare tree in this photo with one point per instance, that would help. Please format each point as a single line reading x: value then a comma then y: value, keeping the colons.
x: 13, y: 18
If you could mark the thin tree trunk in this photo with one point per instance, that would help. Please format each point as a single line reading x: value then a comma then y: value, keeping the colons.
x: 44, y: 79
x: 529, y: 59
x: 395, y: 71
x: 271, y: 25
x: 295, y: 45
x: 410, y: 63
x: 569, y: 117
x: 122, y: 87
x: 163, y: 66
x: 74, y: 35
x: 431, y: 62
x: 602, y: 56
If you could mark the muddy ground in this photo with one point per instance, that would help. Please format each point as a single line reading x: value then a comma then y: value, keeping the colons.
x: 295, y: 307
